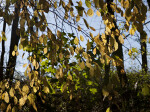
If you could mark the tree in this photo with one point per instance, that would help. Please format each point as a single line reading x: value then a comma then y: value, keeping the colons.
x: 51, y: 32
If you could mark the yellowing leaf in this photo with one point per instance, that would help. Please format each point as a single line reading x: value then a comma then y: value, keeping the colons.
x: 22, y: 100
x: 17, y: 85
x: 31, y: 98
x: 15, y: 100
x: 25, y: 65
x: 98, y: 13
x: 81, y: 38
x: 92, y: 28
x: 82, y: 65
x: 0, y: 38
x: 12, y: 92
x: 116, y: 45
x: 6, y: 98
x: 86, y: 23
x: 108, y: 109
x: 77, y: 18
x: 88, y: 3
x: 76, y: 41
x: 25, y: 89
x: 13, y: 53
x: 46, y: 90
x: 90, y: 12
x: 17, y: 53
x: 132, y: 31
x: 121, y: 39
x: 14, y: 109
x: 145, y: 90
x: 8, y: 108
x: 105, y: 93
x: 45, y: 50
x: 60, y: 55
x: 94, y: 51
x: 79, y: 28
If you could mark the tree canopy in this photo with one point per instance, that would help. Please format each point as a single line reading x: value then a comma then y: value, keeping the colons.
x: 72, y: 64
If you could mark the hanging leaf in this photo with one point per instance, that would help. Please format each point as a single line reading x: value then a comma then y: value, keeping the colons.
x: 86, y: 23
x: 81, y: 38
x: 12, y: 92
x: 94, y: 51
x: 90, y: 12
x: 13, y: 53
x: 92, y: 28
x: 45, y: 50
x: 98, y: 13
x: 88, y: 3
x: 46, y: 90
x: 25, y: 89
x: 6, y: 98
x: 76, y: 41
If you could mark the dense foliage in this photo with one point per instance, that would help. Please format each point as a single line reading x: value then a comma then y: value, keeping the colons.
x: 70, y: 66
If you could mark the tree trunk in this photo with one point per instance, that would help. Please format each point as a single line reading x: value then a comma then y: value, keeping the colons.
x: 2, y: 54
x: 14, y: 41
x: 107, y: 65
x: 119, y: 51
x: 144, y: 56
x: 148, y: 1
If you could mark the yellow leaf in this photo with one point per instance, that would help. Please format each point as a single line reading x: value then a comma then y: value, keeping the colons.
x: 31, y: 98
x: 22, y: 100
x: 108, y: 109
x: 25, y: 89
x: 81, y: 38
x: 15, y: 100
x: 92, y: 28
x: 45, y: 50
x: 13, y: 53
x: 115, y: 46
x: 98, y: 13
x: 90, y: 12
x: 79, y: 28
x: 77, y: 18
x: 94, y: 51
x: 12, y: 92
x: 82, y: 65
x: 55, y: 4
x: 25, y: 65
x: 17, y: 53
x: 132, y: 31
x: 6, y: 98
x: 8, y: 108
x: 46, y: 90
x: 0, y: 38
x: 88, y: 45
x: 14, y: 109
x: 60, y: 55
x: 17, y: 85
x: 105, y: 93
x: 76, y: 41
x: 121, y: 39
x: 34, y: 62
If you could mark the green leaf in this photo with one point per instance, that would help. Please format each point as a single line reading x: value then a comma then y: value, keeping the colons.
x: 93, y: 90
x: 88, y: 3
x: 145, y: 90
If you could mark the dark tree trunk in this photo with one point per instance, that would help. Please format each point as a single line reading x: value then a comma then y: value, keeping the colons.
x: 144, y: 57
x: 107, y: 65
x: 148, y: 1
x: 119, y: 51
x: 14, y: 41
x: 2, y: 54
